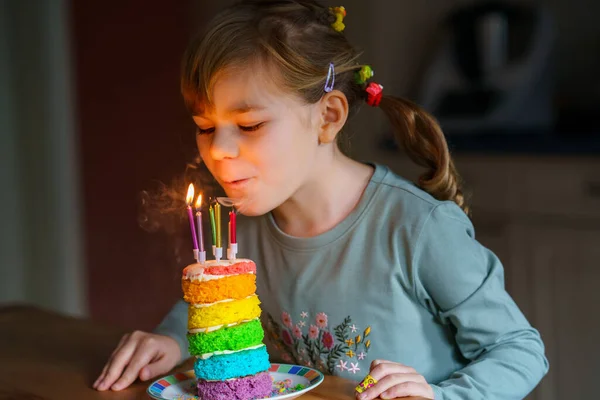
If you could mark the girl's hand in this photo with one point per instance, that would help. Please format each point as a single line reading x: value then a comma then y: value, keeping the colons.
x: 395, y: 380
x: 138, y: 354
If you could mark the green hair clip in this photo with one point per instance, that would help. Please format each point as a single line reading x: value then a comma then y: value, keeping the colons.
x: 363, y: 75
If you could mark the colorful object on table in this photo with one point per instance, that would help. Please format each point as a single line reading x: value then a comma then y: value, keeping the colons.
x: 340, y: 14
x: 374, y: 94
x: 368, y: 382
x: 330, y: 78
x: 188, y: 200
x: 224, y: 330
x: 285, y: 381
x: 364, y: 74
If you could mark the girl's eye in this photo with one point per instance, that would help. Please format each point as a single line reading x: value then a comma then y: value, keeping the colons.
x: 251, y: 128
x: 201, y: 131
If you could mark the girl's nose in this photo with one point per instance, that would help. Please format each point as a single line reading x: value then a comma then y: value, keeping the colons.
x: 223, y: 145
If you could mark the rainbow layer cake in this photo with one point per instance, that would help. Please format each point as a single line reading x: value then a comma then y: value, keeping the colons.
x: 224, y: 331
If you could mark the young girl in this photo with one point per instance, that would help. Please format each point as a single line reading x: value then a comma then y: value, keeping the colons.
x: 359, y: 271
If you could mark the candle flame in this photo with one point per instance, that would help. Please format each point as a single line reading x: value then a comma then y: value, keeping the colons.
x: 190, y: 194
x: 199, y: 202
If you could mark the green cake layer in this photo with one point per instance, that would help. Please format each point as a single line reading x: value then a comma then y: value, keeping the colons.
x: 232, y: 338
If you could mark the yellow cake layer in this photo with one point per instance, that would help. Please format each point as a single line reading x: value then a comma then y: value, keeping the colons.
x: 223, y: 313
x: 228, y: 287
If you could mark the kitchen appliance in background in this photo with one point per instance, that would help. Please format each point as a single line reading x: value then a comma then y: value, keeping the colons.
x: 493, y: 71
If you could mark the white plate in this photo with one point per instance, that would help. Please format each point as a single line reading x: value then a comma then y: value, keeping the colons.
x: 182, y: 386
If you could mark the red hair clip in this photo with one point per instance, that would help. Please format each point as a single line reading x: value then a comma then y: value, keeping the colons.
x: 374, y: 94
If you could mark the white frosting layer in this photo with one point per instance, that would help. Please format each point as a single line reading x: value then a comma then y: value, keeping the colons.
x: 217, y: 327
x: 203, y: 305
x: 206, y: 356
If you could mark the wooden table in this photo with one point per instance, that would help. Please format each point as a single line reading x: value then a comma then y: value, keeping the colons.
x: 44, y: 355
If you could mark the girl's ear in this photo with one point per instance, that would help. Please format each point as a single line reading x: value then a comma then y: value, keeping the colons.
x: 334, y: 113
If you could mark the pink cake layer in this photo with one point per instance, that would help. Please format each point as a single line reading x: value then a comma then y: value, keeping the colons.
x: 223, y: 268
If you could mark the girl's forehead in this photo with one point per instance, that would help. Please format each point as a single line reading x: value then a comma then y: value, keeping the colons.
x: 244, y: 90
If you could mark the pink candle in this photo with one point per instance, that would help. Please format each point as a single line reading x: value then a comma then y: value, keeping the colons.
x: 188, y: 200
x: 233, y: 227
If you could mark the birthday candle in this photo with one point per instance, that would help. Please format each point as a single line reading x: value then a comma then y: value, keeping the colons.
x: 233, y: 227
x: 212, y: 225
x: 218, y: 223
x: 189, y: 198
x: 199, y: 223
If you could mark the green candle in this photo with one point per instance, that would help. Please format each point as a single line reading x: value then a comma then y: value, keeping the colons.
x: 212, y: 225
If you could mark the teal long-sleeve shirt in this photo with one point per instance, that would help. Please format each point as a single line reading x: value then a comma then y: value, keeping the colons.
x: 402, y: 278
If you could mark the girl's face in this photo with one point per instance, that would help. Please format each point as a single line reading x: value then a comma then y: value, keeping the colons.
x: 258, y: 142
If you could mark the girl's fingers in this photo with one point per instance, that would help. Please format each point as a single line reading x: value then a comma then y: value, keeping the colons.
x: 140, y: 359
x: 391, y: 381
x: 115, y: 351
x: 159, y: 366
x: 408, y: 389
x: 375, y: 363
x: 384, y: 368
x: 117, y: 364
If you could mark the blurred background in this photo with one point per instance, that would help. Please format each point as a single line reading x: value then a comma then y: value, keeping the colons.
x: 91, y: 116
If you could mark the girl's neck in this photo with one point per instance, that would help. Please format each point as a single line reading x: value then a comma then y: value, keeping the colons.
x: 327, y: 199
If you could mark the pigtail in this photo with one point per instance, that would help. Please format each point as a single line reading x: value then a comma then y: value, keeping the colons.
x: 419, y: 134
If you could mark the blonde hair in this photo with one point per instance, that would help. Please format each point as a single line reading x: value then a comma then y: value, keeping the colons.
x: 295, y: 37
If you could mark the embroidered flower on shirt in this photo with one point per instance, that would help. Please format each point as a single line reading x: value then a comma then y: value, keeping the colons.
x: 342, y: 365
x: 317, y: 346
x: 287, y: 338
x: 321, y: 320
x: 297, y: 332
x: 327, y: 340
x: 286, y: 319
x: 354, y: 368
x: 304, y: 314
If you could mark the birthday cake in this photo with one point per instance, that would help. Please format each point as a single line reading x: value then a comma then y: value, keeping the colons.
x: 224, y: 331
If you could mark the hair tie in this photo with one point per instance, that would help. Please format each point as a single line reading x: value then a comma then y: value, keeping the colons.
x: 374, y: 94
x: 363, y: 75
x: 339, y: 13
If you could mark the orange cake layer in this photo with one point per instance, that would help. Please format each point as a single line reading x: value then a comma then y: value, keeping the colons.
x: 228, y: 287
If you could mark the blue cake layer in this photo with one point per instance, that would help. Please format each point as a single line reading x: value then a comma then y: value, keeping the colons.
x: 234, y: 365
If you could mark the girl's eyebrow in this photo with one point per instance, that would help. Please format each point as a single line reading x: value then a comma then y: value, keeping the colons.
x: 239, y: 109
x: 245, y: 108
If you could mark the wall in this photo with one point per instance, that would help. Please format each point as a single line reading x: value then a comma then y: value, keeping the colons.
x: 134, y: 131
x: 40, y: 232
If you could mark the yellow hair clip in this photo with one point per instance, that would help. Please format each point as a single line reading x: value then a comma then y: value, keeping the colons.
x: 340, y: 13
